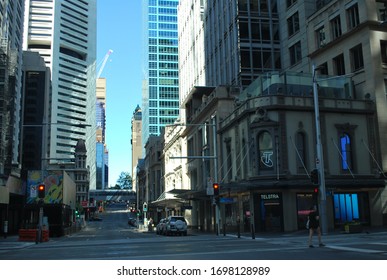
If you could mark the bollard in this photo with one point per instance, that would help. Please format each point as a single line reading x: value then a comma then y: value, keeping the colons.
x: 239, y: 229
x: 224, y: 229
x: 252, y: 232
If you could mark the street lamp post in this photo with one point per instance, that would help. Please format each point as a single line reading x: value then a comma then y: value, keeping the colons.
x: 214, y: 157
x: 322, y: 197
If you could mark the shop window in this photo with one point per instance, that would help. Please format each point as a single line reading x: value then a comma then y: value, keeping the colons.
x: 346, y: 207
x: 265, y: 147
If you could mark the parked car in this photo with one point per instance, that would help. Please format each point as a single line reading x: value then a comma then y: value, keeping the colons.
x: 160, y: 228
x: 132, y: 222
x: 175, y: 225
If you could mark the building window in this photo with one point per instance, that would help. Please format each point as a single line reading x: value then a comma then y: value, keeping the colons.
x: 383, y: 50
x: 346, y: 152
x: 290, y: 2
x: 336, y: 27
x: 357, y: 57
x: 295, y: 53
x: 320, y: 37
x: 265, y: 149
x: 301, y: 152
x: 293, y: 24
x: 338, y: 64
x: 353, y: 16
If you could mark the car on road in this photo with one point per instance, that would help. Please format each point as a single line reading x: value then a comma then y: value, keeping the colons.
x: 175, y: 225
x: 160, y: 227
x: 132, y: 222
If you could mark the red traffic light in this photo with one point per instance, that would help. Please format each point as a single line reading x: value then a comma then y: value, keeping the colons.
x: 216, y: 188
x: 41, y: 191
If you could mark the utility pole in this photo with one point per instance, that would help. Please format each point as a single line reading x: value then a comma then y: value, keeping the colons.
x: 320, y: 159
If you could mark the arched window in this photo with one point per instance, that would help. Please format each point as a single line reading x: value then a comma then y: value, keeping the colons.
x: 265, y: 149
x: 346, y: 152
x: 301, y: 151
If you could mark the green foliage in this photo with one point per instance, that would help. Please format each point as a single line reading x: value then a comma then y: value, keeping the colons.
x: 124, y: 181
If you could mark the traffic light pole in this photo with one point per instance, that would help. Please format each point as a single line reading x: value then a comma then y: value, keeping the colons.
x: 215, y: 153
x: 320, y: 160
x: 40, y: 225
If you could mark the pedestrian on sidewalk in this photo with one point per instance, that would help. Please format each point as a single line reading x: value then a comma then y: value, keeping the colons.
x: 314, y: 225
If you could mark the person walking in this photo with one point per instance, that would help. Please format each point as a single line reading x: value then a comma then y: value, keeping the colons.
x: 314, y: 225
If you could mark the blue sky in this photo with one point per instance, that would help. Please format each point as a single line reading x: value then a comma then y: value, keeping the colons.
x: 119, y: 28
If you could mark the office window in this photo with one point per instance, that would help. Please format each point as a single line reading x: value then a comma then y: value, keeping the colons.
x: 353, y: 16
x: 338, y: 64
x: 320, y: 37
x: 290, y: 2
x: 336, y: 27
x: 346, y: 152
x: 357, y: 57
x: 295, y: 53
x: 383, y: 51
x: 293, y: 24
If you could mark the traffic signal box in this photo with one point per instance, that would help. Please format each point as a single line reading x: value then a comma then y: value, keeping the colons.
x: 41, y: 191
x: 314, y: 176
x: 216, y: 189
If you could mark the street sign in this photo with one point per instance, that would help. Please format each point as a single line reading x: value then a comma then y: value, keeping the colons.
x: 210, y: 189
x: 226, y: 200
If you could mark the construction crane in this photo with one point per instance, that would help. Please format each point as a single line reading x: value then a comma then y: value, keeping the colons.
x: 104, y: 63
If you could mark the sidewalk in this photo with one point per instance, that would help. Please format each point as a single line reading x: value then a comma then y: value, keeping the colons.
x: 11, y: 242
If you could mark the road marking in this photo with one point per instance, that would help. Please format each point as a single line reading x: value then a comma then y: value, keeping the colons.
x: 342, y: 248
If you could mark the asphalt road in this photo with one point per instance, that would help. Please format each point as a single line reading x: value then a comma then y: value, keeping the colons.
x: 113, y: 239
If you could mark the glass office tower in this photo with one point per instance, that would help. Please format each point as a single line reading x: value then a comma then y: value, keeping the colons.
x: 161, y: 90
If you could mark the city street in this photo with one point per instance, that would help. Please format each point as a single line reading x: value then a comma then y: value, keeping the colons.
x: 113, y: 239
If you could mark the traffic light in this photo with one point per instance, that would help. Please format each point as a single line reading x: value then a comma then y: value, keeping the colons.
x: 77, y: 213
x: 314, y: 176
x: 41, y: 191
x: 315, y: 190
x: 216, y: 189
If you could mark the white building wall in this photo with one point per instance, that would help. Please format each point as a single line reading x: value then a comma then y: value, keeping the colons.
x: 64, y: 33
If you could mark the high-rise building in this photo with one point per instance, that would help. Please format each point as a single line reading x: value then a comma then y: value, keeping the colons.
x: 64, y: 33
x: 11, y: 28
x: 161, y: 94
x: 102, y: 152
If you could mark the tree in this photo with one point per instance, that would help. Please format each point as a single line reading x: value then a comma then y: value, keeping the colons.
x: 124, y: 181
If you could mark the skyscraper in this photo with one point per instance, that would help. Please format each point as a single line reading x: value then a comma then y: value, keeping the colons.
x: 101, y: 150
x: 64, y: 33
x: 161, y: 94
x: 11, y: 28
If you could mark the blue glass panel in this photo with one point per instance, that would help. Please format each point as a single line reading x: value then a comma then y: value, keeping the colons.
x: 355, y: 206
x: 342, y: 208
x: 348, y: 202
x: 336, y: 204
